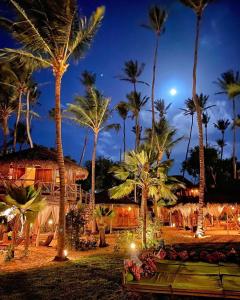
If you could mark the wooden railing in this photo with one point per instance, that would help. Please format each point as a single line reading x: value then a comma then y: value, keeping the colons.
x: 73, y: 192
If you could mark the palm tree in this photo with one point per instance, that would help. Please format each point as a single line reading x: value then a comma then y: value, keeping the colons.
x: 92, y: 112
x: 135, y: 103
x: 131, y: 72
x: 102, y: 215
x: 25, y: 203
x: 162, y: 108
x: 205, y: 121
x: 44, y: 47
x: 123, y: 110
x: 221, y: 144
x: 198, y: 6
x: 156, y: 22
x: 222, y: 126
x: 226, y: 83
x: 189, y: 111
x: 141, y: 170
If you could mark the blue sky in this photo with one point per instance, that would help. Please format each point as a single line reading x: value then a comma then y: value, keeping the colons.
x: 121, y: 38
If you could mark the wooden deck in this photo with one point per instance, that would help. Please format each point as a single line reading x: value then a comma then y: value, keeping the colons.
x: 51, y: 190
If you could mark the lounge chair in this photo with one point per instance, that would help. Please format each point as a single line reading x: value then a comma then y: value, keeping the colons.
x: 48, y: 241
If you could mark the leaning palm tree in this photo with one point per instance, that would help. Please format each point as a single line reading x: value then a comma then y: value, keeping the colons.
x: 205, y: 121
x: 198, y: 6
x: 135, y: 103
x: 156, y: 22
x: 222, y: 126
x: 92, y: 112
x: 131, y: 72
x: 52, y: 32
x: 227, y: 83
x: 122, y: 109
x: 150, y: 177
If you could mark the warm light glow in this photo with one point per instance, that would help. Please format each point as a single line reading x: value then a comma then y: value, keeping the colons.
x: 239, y: 219
x: 50, y: 222
x: 65, y: 252
x: 129, y: 208
x: 133, y: 246
x: 173, y: 92
x: 173, y: 225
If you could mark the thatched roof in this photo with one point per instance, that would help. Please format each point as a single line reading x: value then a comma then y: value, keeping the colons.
x: 38, y: 155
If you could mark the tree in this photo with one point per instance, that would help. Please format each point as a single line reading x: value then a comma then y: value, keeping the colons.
x: 162, y: 108
x: 226, y: 83
x: 222, y: 126
x: 135, y: 103
x: 8, y: 106
x: 198, y: 6
x: 22, y: 137
x: 211, y: 161
x: 102, y: 215
x: 123, y: 110
x: 52, y: 32
x: 142, y: 170
x: 25, y: 203
x: 205, y: 121
x: 131, y: 73
x: 92, y: 112
x: 156, y: 21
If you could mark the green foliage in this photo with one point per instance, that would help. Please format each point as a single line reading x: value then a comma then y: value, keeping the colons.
x: 156, y: 20
x: 104, y: 212
x: 153, y: 232
x: 104, y: 178
x: 75, y: 221
x: 124, y: 239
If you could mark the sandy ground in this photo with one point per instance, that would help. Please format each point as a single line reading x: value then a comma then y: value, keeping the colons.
x: 43, y: 256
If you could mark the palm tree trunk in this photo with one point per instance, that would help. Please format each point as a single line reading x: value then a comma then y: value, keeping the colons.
x: 27, y: 237
x: 200, y: 230
x: 206, y: 136
x: 144, y: 217
x: 84, y: 149
x: 189, y: 141
x: 222, y: 145
x: 17, y: 120
x: 93, y: 181
x: 234, y: 142
x: 28, y: 122
x: 5, y: 133
x: 153, y: 84
x: 137, y: 132
x: 124, y: 139
x: 60, y: 158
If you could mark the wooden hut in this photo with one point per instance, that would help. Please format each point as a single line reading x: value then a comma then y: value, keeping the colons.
x: 39, y: 166
x: 126, y: 211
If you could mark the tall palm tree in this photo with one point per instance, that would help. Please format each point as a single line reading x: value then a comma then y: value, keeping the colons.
x: 221, y: 144
x: 226, y: 82
x: 162, y: 108
x: 92, y: 112
x: 189, y: 111
x: 205, y: 121
x: 123, y: 110
x: 88, y: 79
x: 135, y: 103
x: 52, y: 32
x: 222, y: 126
x: 156, y: 22
x: 198, y: 7
x: 150, y: 177
x: 131, y: 72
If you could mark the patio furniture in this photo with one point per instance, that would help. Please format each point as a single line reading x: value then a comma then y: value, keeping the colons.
x: 197, y: 279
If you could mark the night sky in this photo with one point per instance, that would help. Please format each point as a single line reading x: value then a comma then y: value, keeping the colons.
x: 122, y: 38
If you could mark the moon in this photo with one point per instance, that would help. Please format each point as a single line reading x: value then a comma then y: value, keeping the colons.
x: 173, y: 91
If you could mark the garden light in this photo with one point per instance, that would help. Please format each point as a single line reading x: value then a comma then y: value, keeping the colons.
x: 129, y: 208
x: 65, y: 252
x: 50, y: 222
x: 133, y: 246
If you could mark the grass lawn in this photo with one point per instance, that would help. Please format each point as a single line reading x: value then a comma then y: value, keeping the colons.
x: 92, y: 277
